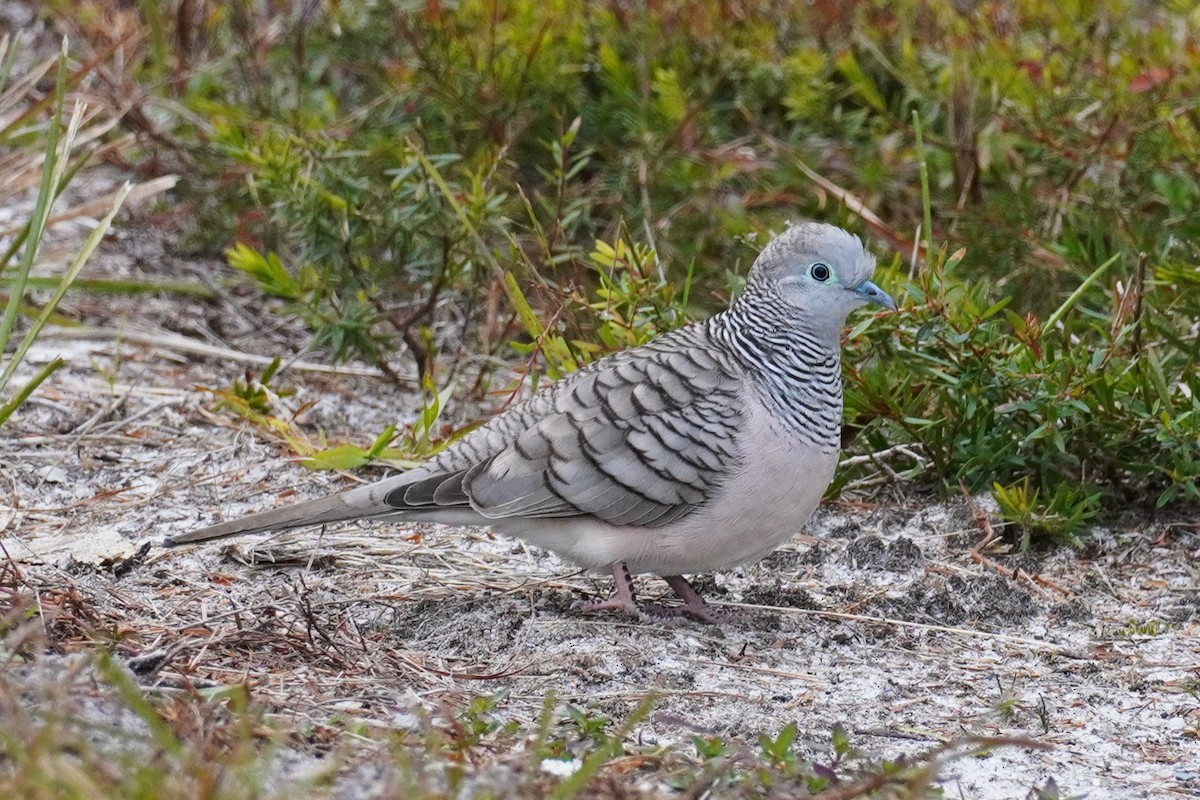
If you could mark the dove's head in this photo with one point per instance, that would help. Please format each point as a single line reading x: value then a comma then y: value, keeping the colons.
x: 819, y: 270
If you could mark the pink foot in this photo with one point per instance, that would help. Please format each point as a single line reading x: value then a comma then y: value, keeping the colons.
x: 694, y: 605
x: 622, y: 599
x: 613, y: 603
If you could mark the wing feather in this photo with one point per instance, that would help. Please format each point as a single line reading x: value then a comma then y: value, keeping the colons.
x: 639, y: 438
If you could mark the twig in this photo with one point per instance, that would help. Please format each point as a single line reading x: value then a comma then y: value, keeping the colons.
x: 1020, y: 574
x: 981, y: 519
x: 902, y: 449
x: 170, y: 341
x: 101, y: 205
x: 990, y: 536
x: 774, y: 673
x: 1033, y: 644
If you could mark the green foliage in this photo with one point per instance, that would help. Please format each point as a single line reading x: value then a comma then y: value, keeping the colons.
x: 1053, y: 519
x: 257, y: 400
x: 364, y: 230
x: 590, y: 726
x: 632, y: 302
x: 391, y: 167
x: 1093, y: 403
x: 777, y: 749
x: 1007, y: 701
x: 477, y: 720
x: 255, y: 395
x: 710, y: 748
x: 266, y: 271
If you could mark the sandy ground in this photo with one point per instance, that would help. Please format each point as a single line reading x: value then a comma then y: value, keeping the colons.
x: 880, y: 617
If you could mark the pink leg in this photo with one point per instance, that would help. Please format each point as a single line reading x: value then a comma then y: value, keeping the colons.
x: 622, y: 599
x: 693, y: 604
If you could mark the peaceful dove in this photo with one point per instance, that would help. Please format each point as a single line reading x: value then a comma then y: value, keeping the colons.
x: 703, y: 449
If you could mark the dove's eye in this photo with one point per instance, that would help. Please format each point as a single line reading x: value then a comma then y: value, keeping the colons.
x: 820, y: 272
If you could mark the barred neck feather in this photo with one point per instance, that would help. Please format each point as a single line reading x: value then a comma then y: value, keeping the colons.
x: 795, y: 370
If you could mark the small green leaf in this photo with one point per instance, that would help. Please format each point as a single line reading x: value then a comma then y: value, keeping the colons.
x: 342, y: 457
x: 267, y: 271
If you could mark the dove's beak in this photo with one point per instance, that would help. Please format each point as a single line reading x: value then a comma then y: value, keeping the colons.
x: 871, y: 293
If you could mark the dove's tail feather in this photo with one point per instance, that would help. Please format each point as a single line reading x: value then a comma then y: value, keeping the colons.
x: 361, y: 503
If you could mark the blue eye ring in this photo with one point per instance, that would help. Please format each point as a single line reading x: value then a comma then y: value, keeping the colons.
x: 820, y: 272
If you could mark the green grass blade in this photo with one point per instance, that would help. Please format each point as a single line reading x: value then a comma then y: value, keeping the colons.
x: 152, y: 13
x: 459, y: 211
x: 137, y: 702
x: 595, y: 760
x: 1062, y: 310
x: 123, y: 286
x: 8, y: 53
x: 28, y: 389
x: 41, y: 209
x: 923, y: 171
x: 85, y: 252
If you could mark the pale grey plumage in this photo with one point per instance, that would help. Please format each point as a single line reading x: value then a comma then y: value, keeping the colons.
x: 704, y: 448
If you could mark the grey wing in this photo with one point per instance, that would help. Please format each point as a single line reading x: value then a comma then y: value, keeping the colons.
x: 640, y: 438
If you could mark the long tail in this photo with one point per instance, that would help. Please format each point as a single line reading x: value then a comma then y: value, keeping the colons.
x: 364, y: 501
